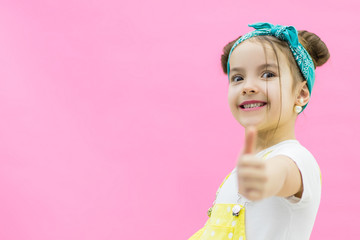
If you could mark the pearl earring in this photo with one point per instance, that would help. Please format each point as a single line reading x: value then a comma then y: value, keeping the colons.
x: 297, y: 109
x: 301, y: 100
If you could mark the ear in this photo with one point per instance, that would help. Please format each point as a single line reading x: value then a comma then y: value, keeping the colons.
x: 302, y: 93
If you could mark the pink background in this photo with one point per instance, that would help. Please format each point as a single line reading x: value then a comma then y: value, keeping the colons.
x: 115, y: 123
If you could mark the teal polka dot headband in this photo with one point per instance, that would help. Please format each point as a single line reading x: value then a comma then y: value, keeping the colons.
x: 290, y: 35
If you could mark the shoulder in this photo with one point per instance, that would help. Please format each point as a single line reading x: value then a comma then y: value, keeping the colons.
x: 307, y: 165
x: 303, y: 158
x: 294, y: 150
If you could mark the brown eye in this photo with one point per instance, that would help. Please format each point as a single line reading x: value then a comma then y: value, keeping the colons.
x: 237, y: 79
x: 268, y: 74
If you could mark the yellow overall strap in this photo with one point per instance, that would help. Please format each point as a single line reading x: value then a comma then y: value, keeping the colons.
x: 217, y: 192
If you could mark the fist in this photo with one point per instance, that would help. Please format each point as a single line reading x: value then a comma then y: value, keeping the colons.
x: 251, y: 170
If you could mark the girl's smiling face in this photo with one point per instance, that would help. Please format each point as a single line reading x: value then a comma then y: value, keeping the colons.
x: 257, y: 96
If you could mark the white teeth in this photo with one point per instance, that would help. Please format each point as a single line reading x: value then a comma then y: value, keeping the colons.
x: 253, y: 105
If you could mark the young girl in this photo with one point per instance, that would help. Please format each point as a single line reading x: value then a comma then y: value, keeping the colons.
x: 274, y: 191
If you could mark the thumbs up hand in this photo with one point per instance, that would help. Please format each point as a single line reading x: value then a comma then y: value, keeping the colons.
x: 251, y: 171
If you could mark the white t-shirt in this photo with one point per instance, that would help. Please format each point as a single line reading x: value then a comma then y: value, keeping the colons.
x: 279, y: 218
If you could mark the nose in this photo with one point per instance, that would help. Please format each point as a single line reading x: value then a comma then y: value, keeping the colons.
x: 249, y: 87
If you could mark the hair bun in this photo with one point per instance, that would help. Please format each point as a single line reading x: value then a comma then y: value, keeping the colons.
x: 315, y: 47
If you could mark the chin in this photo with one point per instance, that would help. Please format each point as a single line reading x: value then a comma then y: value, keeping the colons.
x: 246, y: 123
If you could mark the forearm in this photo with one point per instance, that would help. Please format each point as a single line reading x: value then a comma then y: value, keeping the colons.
x: 284, y: 177
x: 276, y: 172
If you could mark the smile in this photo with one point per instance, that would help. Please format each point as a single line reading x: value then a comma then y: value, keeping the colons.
x: 252, y: 105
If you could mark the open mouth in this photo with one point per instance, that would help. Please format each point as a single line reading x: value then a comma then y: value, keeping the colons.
x: 252, y: 105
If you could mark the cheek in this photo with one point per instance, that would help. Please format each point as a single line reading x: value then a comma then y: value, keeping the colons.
x: 231, y: 96
x: 279, y: 96
x: 232, y: 101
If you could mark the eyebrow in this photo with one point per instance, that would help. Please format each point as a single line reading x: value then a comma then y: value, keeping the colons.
x: 259, y: 67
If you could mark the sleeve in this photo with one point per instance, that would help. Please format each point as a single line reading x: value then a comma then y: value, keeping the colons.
x: 310, y: 174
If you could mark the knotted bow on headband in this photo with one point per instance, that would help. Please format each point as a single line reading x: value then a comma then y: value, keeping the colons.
x: 290, y: 35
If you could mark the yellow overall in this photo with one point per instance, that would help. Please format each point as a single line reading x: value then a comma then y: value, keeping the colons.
x: 222, y: 223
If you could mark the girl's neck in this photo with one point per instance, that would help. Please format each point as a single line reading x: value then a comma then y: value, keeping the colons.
x: 266, y: 139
